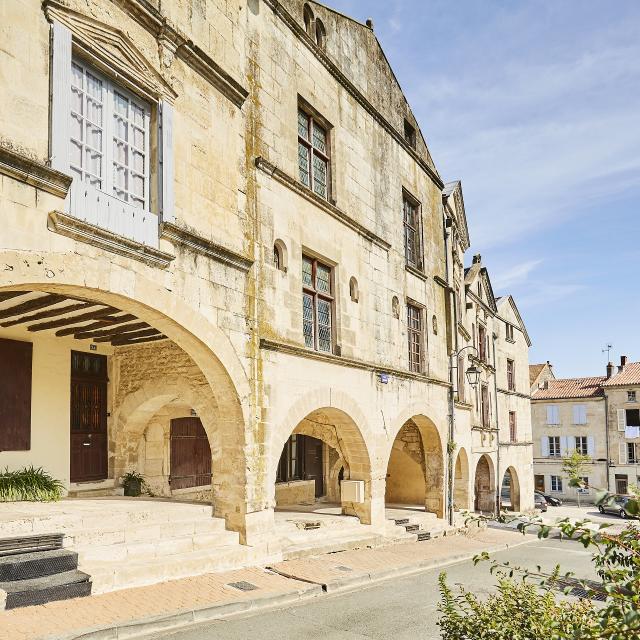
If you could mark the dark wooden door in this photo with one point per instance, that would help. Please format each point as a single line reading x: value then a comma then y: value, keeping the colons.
x: 539, y: 483
x: 313, y: 463
x: 88, y: 417
x: 15, y: 395
x: 190, y: 454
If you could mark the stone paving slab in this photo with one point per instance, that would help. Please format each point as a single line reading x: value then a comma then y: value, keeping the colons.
x: 350, y: 569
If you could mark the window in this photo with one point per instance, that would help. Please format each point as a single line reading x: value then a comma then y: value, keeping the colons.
x: 631, y: 396
x: 622, y: 483
x: 579, y: 414
x: 632, y: 453
x: 302, y: 459
x: 317, y: 305
x: 307, y: 15
x: 554, y: 446
x: 353, y: 289
x: 289, y: 467
x: 485, y: 407
x: 410, y: 134
x: 581, y: 445
x: 585, y: 484
x: 412, y: 232
x: 321, y: 34
x: 633, y: 417
x: 313, y: 154
x: 513, y: 431
x: 482, y: 343
x: 461, y: 379
x: 509, y: 332
x: 553, y: 414
x: 556, y: 484
x: 276, y: 257
x: 109, y: 137
x: 414, y: 333
x: 511, y: 375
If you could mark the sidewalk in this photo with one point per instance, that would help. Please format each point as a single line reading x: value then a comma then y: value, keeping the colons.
x: 125, y: 614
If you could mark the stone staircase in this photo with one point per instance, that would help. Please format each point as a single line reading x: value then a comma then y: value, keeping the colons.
x: 36, y: 570
x: 416, y: 527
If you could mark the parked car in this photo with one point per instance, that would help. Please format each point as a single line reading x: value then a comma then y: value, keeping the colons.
x: 552, y: 500
x: 617, y: 505
x: 540, y: 502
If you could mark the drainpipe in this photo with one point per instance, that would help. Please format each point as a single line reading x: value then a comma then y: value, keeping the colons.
x: 606, y: 438
x: 495, y: 394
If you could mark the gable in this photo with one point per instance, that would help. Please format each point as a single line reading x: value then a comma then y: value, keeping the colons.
x: 509, y: 311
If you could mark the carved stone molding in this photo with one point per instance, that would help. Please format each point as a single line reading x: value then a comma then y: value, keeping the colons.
x: 36, y: 174
x: 293, y: 184
x: 181, y: 236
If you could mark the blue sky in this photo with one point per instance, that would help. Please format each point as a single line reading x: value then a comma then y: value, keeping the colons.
x: 535, y: 106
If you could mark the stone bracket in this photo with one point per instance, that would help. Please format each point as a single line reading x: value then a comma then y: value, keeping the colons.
x: 24, y: 169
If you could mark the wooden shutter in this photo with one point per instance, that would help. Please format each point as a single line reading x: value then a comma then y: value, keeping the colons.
x: 622, y: 419
x: 15, y: 395
x: 591, y: 446
x: 544, y: 447
x: 165, y: 169
x: 60, y: 97
x: 552, y: 414
x: 564, y: 445
x: 623, y: 453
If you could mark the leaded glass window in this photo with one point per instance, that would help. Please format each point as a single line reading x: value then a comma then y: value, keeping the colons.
x: 414, y: 332
x: 317, y: 305
x: 313, y: 154
x: 412, y: 232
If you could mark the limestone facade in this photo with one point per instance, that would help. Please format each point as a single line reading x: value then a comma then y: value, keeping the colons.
x: 212, y: 267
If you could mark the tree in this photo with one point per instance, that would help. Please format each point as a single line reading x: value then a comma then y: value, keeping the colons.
x: 574, y: 466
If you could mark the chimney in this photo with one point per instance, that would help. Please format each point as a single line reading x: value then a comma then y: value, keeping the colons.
x: 477, y: 259
x: 623, y: 363
x: 610, y: 369
x: 369, y: 23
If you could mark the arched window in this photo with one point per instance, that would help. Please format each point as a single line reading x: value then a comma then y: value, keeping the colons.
x: 353, y: 289
x: 276, y: 257
x: 321, y: 34
x: 308, y: 20
x: 280, y: 255
x: 395, y: 307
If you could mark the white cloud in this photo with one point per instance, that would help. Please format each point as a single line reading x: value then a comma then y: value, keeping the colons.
x: 514, y: 275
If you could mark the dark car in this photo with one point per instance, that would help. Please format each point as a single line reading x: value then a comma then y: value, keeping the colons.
x: 552, y: 500
x: 618, y: 505
x: 540, y: 501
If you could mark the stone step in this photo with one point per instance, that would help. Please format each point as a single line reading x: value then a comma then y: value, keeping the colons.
x: 342, y: 543
x: 412, y: 528
x: 156, y: 548
x: 28, y: 544
x: 110, y: 576
x: 401, y: 521
x: 25, y: 566
x: 61, y: 586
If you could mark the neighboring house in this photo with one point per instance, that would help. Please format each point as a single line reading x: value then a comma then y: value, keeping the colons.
x: 229, y: 263
x: 539, y: 374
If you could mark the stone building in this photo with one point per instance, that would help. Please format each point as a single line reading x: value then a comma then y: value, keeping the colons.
x: 598, y: 416
x: 229, y: 263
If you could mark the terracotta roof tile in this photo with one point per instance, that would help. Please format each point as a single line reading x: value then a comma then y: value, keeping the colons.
x: 629, y: 375
x: 571, y: 388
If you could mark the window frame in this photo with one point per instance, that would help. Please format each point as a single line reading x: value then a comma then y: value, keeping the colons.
x: 513, y: 426
x: 408, y: 201
x: 554, y: 452
x: 509, y: 332
x: 316, y: 295
x: 485, y: 405
x: 578, y: 442
x: 311, y: 120
x: 632, y: 453
x: 631, y: 396
x: 409, y: 134
x: 110, y: 87
x: 555, y: 484
x: 482, y: 343
x: 511, y: 374
x: 412, y: 334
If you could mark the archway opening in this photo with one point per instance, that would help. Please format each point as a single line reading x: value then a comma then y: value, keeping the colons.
x: 461, y: 482
x: 510, y: 490
x: 484, y: 486
x: 415, y: 471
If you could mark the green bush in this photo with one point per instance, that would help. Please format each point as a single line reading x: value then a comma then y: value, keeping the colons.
x: 29, y: 485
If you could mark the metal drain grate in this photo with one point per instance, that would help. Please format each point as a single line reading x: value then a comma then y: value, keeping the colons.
x: 343, y: 568
x: 243, y: 586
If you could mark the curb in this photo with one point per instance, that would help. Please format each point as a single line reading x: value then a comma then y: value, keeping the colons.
x: 153, y: 624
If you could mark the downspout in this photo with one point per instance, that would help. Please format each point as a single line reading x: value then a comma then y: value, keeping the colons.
x: 606, y: 437
x: 495, y: 393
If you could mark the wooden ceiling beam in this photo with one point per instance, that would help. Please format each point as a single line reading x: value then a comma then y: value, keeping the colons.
x: 106, y: 321
x: 49, y: 313
x: 108, y: 333
x: 124, y: 342
x: 32, y: 305
x: 8, y: 295
x: 63, y: 322
x: 144, y: 333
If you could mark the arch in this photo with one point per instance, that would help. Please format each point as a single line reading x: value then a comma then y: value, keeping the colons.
x: 461, y: 481
x: 484, y: 485
x: 353, y: 289
x: 307, y: 15
x: 321, y: 34
x: 510, y: 489
x: 415, y: 467
x: 280, y: 256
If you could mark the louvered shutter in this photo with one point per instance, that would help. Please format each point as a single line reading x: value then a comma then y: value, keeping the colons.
x: 622, y: 419
x: 166, y: 162
x: 60, y: 97
x: 623, y: 453
x: 544, y: 447
x: 591, y: 446
x: 564, y: 445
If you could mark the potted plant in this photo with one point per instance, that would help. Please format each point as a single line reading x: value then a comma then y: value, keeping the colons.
x: 133, y: 483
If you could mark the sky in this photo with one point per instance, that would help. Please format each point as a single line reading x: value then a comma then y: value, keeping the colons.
x: 535, y: 106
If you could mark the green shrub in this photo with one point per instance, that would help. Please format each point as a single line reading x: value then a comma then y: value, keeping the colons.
x: 29, y: 485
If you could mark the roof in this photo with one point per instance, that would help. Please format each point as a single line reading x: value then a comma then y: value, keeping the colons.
x: 630, y: 374
x: 534, y: 371
x: 571, y: 388
x: 512, y: 303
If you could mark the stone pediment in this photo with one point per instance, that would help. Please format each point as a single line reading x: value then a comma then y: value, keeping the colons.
x: 110, y: 47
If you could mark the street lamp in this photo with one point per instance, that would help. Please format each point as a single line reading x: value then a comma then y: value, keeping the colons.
x: 473, y: 375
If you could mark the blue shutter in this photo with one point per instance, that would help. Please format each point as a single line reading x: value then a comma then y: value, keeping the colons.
x: 60, y: 97
x: 165, y: 169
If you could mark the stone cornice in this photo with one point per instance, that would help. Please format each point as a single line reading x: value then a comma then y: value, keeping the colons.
x: 442, y: 282
x: 76, y: 229
x: 416, y: 272
x: 334, y: 70
x: 507, y: 392
x: 462, y: 329
x: 303, y: 352
x: 176, y: 44
x: 22, y: 168
x: 296, y: 186
x: 180, y: 236
x: 516, y: 444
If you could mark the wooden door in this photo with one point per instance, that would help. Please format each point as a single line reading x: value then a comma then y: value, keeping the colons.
x: 88, y: 417
x: 313, y: 463
x: 190, y: 454
x: 539, y: 483
x: 15, y: 395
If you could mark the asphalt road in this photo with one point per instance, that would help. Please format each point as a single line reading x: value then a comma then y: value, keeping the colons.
x: 400, y: 609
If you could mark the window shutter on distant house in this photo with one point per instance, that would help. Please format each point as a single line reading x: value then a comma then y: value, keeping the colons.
x: 60, y: 97
x: 552, y: 414
x: 623, y: 453
x: 622, y: 419
x: 544, y: 447
x: 165, y: 122
x: 564, y: 445
x: 15, y: 395
x: 591, y: 446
